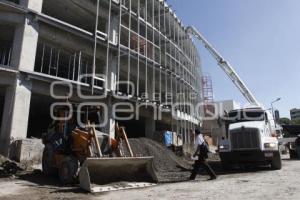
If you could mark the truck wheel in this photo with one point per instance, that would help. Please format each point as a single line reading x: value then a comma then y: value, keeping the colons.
x: 276, y: 162
x: 47, y: 161
x: 68, y: 170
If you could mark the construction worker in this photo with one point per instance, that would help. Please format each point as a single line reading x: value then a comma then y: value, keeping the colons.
x: 201, y: 151
x: 297, y: 144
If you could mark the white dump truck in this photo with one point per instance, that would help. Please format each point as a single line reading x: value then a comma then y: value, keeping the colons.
x: 252, y: 133
x: 251, y: 139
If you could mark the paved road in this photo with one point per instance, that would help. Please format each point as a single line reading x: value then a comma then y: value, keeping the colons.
x: 254, y: 184
x: 259, y: 183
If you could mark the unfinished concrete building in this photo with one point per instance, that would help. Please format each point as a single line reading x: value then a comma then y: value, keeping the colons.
x: 98, y: 49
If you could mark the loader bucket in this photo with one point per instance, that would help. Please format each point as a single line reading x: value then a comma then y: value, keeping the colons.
x: 117, y: 173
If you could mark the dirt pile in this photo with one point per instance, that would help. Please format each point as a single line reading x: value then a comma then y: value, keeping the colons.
x: 168, y: 166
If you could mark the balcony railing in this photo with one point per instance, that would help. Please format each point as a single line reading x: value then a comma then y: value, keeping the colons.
x: 5, y: 54
x: 62, y: 63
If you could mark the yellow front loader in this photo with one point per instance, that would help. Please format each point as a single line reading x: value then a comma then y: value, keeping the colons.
x: 75, y: 154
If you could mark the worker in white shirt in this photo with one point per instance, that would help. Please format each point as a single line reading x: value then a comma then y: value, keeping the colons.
x: 201, y: 151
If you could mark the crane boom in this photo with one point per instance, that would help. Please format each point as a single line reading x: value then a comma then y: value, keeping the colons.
x: 226, y: 67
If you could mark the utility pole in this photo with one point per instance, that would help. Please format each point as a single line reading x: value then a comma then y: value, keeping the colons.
x: 278, y: 99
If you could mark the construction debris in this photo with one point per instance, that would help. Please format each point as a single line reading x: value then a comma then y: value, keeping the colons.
x: 9, y: 167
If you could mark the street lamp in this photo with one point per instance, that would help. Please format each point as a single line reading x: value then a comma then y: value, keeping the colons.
x: 278, y: 99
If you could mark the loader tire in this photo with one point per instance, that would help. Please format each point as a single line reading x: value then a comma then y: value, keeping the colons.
x: 276, y: 162
x: 68, y: 170
x: 47, y: 161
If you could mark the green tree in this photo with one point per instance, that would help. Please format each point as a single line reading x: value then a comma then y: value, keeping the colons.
x: 295, y: 122
x: 285, y: 121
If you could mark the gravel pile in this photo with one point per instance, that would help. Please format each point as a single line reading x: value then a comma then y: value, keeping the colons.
x: 168, y: 166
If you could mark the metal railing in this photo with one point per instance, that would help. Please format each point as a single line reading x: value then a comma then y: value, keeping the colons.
x: 62, y: 63
x: 5, y: 54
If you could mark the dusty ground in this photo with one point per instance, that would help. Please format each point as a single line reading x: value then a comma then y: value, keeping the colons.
x: 256, y: 183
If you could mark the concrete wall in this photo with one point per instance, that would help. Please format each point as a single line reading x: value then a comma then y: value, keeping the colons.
x: 18, y: 94
x: 226, y: 106
x: 216, y: 127
x: 16, y: 112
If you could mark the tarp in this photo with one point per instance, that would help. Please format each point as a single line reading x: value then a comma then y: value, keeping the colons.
x: 168, y: 138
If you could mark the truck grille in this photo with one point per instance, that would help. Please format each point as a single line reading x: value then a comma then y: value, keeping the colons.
x: 244, y: 138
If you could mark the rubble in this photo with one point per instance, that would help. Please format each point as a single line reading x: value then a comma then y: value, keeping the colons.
x: 9, y: 167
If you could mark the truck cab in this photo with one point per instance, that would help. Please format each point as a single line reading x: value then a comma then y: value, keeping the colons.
x: 251, y: 138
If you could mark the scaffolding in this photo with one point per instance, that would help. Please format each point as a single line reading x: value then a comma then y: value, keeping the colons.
x: 144, y: 43
x: 207, y: 89
x: 208, y: 95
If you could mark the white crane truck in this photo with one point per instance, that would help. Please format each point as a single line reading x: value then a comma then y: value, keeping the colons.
x: 251, y: 131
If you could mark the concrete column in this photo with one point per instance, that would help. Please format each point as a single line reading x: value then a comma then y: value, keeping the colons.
x: 114, y: 28
x: 25, y: 39
x: 18, y: 95
x: 35, y: 5
x: 110, y: 126
x: 113, y: 60
x: 15, y: 113
x: 112, y: 72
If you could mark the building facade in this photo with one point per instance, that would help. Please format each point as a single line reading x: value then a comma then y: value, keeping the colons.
x: 277, y: 116
x: 295, y: 114
x: 90, y: 51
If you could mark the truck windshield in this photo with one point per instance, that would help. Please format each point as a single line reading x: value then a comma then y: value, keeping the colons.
x: 242, y: 116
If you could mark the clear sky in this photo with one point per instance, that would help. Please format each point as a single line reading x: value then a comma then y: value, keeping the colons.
x: 261, y: 40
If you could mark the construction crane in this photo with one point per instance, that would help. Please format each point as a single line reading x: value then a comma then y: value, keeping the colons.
x: 226, y: 67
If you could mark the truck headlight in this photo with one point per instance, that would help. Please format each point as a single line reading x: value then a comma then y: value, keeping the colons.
x: 224, y: 146
x: 270, y: 145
